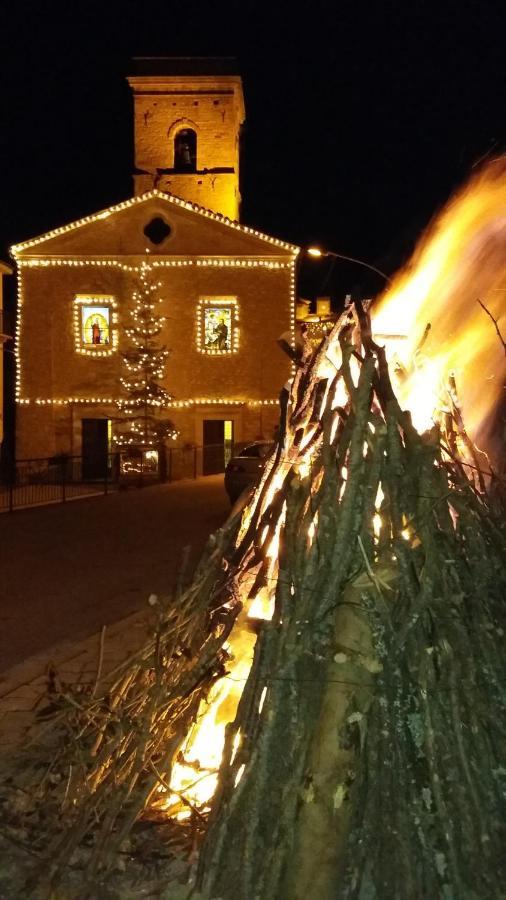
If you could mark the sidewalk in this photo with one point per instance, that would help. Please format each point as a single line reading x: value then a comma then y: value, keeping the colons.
x: 68, y: 570
x: 23, y: 687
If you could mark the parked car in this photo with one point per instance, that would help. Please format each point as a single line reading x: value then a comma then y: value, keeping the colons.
x: 245, y: 468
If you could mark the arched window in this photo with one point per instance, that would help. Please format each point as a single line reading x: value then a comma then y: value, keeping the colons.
x: 185, y: 151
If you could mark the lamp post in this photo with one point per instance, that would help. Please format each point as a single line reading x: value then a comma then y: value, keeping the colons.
x: 316, y: 252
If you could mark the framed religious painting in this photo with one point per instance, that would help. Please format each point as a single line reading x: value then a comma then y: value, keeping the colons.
x: 218, y: 325
x: 95, y: 321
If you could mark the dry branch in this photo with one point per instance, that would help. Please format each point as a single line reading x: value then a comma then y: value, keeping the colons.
x: 365, y: 759
x: 496, y: 324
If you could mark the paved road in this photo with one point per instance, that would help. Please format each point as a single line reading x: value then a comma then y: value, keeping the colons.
x: 66, y: 570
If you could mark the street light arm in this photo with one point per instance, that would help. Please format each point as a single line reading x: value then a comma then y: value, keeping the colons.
x: 360, y: 262
x: 313, y: 251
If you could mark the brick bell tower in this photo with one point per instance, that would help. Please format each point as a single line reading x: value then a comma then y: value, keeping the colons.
x: 188, y: 113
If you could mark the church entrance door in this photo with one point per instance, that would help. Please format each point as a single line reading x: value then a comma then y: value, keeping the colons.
x: 95, y: 448
x: 218, y: 440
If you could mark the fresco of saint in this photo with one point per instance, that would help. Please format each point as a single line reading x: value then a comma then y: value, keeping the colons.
x: 217, y: 328
x: 95, y: 325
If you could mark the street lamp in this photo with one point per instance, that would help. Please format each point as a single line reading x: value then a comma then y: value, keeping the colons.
x: 316, y: 252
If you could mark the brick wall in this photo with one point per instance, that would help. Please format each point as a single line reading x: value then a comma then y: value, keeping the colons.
x: 44, y: 431
x: 213, y: 109
x: 50, y: 367
x: 121, y: 235
x: 219, y: 191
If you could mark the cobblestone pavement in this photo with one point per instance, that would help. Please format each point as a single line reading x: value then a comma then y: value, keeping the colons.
x: 66, y: 571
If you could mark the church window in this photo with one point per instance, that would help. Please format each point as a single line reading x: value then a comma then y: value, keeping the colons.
x: 218, y: 325
x: 157, y: 230
x: 185, y: 150
x: 95, y: 319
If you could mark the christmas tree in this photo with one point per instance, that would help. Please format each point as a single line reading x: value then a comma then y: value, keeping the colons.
x: 142, y: 426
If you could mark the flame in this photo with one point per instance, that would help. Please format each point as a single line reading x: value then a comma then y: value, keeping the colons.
x: 262, y: 605
x: 377, y: 521
x: 461, y: 258
x: 195, y: 774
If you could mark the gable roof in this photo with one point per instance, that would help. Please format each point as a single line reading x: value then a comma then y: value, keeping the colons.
x: 171, y: 200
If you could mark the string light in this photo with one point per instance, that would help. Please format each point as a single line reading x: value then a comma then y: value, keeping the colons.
x: 201, y: 262
x: 18, y: 333
x: 242, y: 263
x: 172, y: 404
x: 143, y: 198
x: 293, y: 304
x: 229, y: 303
x: 117, y: 264
x: 144, y: 361
x: 44, y: 263
x: 175, y: 262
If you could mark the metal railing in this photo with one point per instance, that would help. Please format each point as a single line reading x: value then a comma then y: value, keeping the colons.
x: 59, y: 479
x: 37, y: 482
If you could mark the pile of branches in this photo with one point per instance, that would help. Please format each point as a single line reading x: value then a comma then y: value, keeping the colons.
x: 98, y: 758
x: 373, y: 722
x: 365, y: 759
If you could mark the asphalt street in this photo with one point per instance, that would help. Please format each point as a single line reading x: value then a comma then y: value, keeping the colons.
x: 66, y: 570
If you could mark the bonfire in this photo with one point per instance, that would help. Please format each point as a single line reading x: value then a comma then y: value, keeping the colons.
x: 322, y: 710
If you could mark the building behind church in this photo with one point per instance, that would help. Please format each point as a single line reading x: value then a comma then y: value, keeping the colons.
x: 228, y: 290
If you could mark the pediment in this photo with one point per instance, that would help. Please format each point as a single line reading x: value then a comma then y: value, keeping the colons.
x: 121, y: 231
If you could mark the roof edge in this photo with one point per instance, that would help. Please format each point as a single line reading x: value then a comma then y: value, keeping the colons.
x: 142, y: 198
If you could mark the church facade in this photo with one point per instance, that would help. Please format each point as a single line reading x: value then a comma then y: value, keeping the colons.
x: 228, y: 291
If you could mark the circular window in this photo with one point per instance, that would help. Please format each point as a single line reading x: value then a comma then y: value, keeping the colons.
x: 157, y: 230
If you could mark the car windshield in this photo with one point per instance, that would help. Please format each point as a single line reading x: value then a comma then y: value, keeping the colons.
x: 256, y: 450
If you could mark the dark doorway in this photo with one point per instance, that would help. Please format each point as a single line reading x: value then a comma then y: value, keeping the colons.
x: 95, y: 447
x: 218, y: 441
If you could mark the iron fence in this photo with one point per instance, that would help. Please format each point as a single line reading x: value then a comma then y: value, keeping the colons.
x: 37, y: 482
x: 59, y: 479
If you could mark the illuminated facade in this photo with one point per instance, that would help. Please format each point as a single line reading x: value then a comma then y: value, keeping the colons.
x: 228, y: 291
x: 187, y: 119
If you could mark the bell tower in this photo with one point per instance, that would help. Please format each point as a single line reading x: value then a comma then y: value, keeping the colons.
x: 188, y: 113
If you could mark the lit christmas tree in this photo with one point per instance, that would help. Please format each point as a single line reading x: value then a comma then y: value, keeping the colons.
x: 143, y: 428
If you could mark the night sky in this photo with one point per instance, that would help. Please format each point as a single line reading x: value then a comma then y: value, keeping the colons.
x: 362, y: 118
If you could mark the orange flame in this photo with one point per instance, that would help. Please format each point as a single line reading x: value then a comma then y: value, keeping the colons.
x: 462, y: 257
x: 195, y: 776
